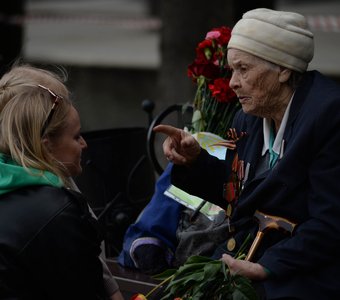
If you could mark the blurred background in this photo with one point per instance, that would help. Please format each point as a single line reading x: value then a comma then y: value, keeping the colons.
x: 120, y: 53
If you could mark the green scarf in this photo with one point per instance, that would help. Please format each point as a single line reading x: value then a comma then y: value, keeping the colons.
x: 13, y: 176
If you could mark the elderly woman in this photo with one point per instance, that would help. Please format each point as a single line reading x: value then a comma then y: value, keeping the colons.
x: 286, y: 164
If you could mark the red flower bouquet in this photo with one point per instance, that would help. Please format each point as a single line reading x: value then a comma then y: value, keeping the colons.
x: 215, y: 103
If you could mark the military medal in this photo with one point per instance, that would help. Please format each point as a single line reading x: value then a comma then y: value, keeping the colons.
x: 232, y: 188
x: 231, y: 244
x: 229, y: 210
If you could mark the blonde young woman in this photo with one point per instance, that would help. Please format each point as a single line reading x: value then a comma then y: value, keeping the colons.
x: 49, y: 241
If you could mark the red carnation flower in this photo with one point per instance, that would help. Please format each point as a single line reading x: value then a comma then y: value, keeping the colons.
x: 209, y: 71
x: 221, y: 90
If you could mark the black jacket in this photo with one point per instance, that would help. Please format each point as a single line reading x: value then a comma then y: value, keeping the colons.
x: 49, y: 246
x: 302, y: 187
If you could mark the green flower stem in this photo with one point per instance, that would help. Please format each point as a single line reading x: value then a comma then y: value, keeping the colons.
x: 242, y: 256
x: 159, y: 285
x: 240, y: 253
x: 212, y: 110
x: 200, y: 89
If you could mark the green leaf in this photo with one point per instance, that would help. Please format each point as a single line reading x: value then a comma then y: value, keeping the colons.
x: 212, y: 268
x: 197, y: 121
x: 167, y: 273
x: 199, y: 276
x: 202, y: 278
x: 244, y: 294
x: 244, y: 288
x: 208, y: 288
x: 239, y: 295
x: 198, y: 259
x: 189, y: 268
x: 207, y: 53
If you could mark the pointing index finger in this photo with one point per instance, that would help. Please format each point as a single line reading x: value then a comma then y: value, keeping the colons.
x: 166, y: 129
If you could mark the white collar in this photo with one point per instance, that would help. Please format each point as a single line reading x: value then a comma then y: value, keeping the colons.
x: 278, y: 139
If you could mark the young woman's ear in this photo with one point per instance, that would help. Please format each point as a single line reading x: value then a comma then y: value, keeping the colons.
x: 47, y: 143
x: 284, y: 75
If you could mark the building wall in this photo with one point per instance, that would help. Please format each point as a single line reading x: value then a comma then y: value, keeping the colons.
x: 111, y: 98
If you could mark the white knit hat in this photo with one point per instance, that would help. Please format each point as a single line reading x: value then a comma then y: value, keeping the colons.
x: 277, y: 36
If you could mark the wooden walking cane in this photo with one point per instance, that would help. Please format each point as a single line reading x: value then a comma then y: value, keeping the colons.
x: 268, y: 222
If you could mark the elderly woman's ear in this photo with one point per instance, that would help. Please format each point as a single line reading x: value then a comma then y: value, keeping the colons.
x: 284, y: 74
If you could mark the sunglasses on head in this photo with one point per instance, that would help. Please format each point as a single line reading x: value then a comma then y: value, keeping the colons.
x: 56, y: 101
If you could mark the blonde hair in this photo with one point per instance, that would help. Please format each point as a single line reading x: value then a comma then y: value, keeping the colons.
x: 24, y: 107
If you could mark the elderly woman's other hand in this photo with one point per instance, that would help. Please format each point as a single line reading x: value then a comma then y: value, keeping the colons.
x: 245, y: 268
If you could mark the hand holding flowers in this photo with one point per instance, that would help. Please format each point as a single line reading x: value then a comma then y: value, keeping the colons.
x: 202, y: 278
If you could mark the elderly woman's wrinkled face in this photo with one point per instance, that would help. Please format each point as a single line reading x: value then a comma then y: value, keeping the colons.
x: 256, y: 83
